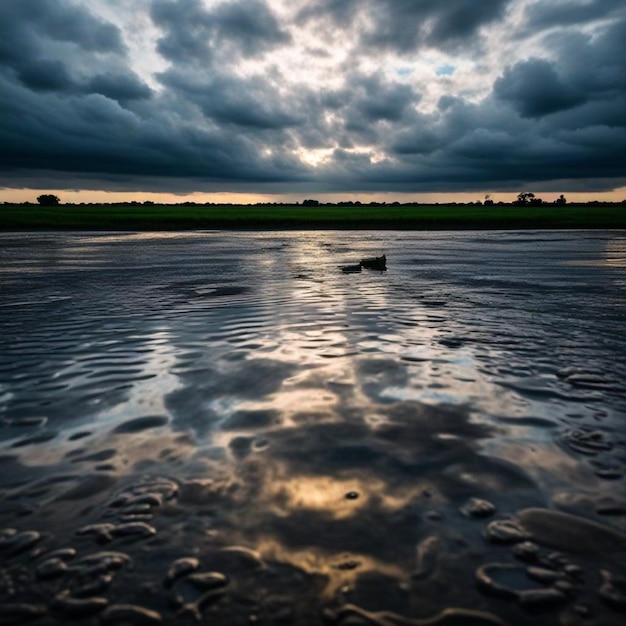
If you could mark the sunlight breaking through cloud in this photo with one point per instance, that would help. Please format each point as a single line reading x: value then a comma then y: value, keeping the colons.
x: 209, y: 95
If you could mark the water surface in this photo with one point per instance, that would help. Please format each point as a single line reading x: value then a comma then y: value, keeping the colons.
x: 446, y: 435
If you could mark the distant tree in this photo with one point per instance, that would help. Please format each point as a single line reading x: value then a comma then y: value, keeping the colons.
x: 528, y: 198
x: 310, y: 203
x: 488, y: 201
x: 561, y: 200
x: 48, y: 199
x: 525, y: 197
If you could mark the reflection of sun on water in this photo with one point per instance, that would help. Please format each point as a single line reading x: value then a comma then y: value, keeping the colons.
x: 616, y: 253
x: 614, y: 256
x: 334, y: 496
x: 339, y: 569
x: 338, y: 497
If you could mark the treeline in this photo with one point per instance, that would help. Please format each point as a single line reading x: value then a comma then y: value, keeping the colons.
x: 523, y: 199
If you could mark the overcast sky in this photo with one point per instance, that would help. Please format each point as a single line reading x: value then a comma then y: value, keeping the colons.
x: 303, y: 97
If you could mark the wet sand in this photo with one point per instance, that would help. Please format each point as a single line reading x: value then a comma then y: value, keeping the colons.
x: 226, y: 428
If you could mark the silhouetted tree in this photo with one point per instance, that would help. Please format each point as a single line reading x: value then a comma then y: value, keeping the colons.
x: 561, y: 200
x: 525, y: 197
x: 488, y: 201
x: 528, y: 198
x: 48, y: 199
x: 310, y: 203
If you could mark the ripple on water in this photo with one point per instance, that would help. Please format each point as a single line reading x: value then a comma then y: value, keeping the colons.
x: 88, y: 486
x: 246, y: 420
x: 44, y: 437
x: 140, y: 424
x: 587, y: 441
x: 299, y: 385
x: 573, y: 533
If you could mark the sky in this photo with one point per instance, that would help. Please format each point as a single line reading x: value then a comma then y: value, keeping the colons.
x: 280, y: 100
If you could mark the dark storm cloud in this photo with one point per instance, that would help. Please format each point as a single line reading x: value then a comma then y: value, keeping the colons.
x: 231, y: 105
x: 467, y: 145
x: 377, y: 99
x: 535, y: 89
x: 341, y: 12
x: 404, y: 25
x: 44, y: 75
x: 56, y: 116
x: 596, y: 64
x: 63, y: 21
x: 366, y: 106
x: 93, y: 134
x: 122, y: 87
x: 24, y: 22
x: 251, y: 103
x: 53, y: 75
x: 184, y: 29
x: 545, y: 120
x: 251, y: 23
x: 191, y: 32
x: 545, y: 14
x: 40, y: 41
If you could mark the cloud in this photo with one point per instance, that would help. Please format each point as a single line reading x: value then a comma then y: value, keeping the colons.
x: 44, y: 75
x: 50, y: 46
x: 122, y: 87
x: 184, y: 28
x: 544, y: 14
x: 535, y: 89
x: 407, y: 25
x: 193, y: 32
x: 303, y: 96
x: 65, y: 21
x: 93, y: 134
x: 24, y: 23
x: 379, y: 100
x: 251, y: 103
x: 251, y: 24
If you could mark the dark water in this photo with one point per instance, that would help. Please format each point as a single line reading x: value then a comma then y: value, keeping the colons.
x: 442, y: 443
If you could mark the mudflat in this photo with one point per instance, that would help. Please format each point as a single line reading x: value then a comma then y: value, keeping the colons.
x: 226, y: 428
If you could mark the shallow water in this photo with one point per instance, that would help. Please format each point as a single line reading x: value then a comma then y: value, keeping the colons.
x: 313, y: 436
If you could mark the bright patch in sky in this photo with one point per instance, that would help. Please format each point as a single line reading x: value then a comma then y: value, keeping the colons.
x: 446, y: 70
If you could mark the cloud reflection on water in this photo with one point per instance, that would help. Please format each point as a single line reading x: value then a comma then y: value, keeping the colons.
x: 331, y: 422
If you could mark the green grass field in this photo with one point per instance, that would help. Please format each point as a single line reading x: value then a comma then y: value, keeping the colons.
x: 419, y: 217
